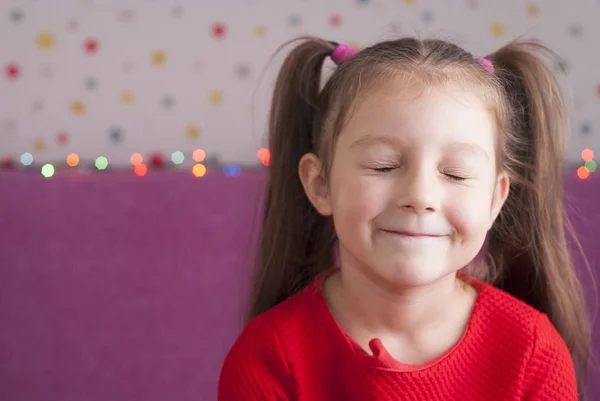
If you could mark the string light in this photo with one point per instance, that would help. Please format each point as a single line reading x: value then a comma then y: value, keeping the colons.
x: 199, y: 155
x: 177, y: 157
x: 232, y: 170
x: 48, y: 170
x: 587, y: 155
x: 199, y: 170
x: 140, y: 170
x: 591, y: 165
x: 136, y: 159
x: 264, y: 155
x: 72, y: 160
x: 26, y: 159
x: 101, y: 163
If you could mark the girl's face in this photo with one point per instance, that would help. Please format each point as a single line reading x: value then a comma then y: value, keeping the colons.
x: 413, y: 186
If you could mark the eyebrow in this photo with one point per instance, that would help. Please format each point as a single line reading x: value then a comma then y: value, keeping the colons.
x: 370, y: 140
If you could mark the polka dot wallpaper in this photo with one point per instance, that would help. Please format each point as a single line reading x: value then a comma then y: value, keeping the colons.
x: 165, y: 78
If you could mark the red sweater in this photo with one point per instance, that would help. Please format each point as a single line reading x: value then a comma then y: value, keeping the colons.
x: 296, y: 351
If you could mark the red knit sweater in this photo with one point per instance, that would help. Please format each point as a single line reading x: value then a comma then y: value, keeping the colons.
x: 296, y: 351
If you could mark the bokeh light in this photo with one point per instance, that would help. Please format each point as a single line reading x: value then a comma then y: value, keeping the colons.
x: 199, y: 170
x: 177, y: 157
x: 26, y: 159
x: 72, y: 160
x: 101, y: 163
x: 140, y: 170
x: 136, y: 159
x: 583, y: 173
x: 199, y: 155
x: 591, y: 166
x: 232, y: 170
x: 264, y: 155
x: 587, y: 154
x: 48, y: 170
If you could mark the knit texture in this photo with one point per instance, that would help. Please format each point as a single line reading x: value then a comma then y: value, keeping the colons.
x: 296, y: 351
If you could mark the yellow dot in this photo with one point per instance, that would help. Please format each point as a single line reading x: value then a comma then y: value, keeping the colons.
x: 158, y: 57
x: 45, y: 40
x: 497, y: 29
x: 216, y: 97
x: 39, y: 145
x: 72, y: 160
x: 127, y: 97
x: 78, y: 107
x: 533, y: 10
x: 260, y: 31
x: 409, y: 2
x: 193, y: 132
x: 199, y: 170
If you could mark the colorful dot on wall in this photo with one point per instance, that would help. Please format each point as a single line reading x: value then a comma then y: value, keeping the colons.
x: 497, y: 29
x: 91, y: 45
x: 192, y: 132
x: 140, y: 170
x: 115, y: 134
x: 9, y: 126
x: 260, y: 32
x: 7, y: 163
x: 583, y: 173
x: 177, y: 157
x: 232, y: 170
x: 26, y: 159
x: 362, y: 2
x: 177, y: 11
x: 218, y: 30
x: 199, y: 170
x: 216, y: 97
x: 587, y: 154
x: 90, y: 83
x: 242, y: 71
x: 72, y: 160
x: 157, y: 160
x: 591, y: 166
x: 473, y: 4
x: 62, y: 138
x: 533, y: 10
x: 585, y: 128
x: 72, y: 25
x: 17, y: 16
x: 136, y: 159
x: 158, y: 57
x: 77, y: 107
x: 45, y: 40
x: 409, y: 2
x: 427, y: 16
x: 126, y: 15
x: 12, y: 71
x: 37, y: 106
x: 101, y: 163
x: 39, y: 145
x: 294, y: 20
x: 335, y: 20
x: 127, y: 97
x: 575, y: 30
x: 47, y: 170
x: 167, y: 102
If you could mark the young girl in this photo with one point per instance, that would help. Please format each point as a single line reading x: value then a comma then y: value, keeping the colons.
x: 438, y: 177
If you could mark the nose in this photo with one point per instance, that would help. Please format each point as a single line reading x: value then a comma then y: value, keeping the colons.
x: 419, y: 192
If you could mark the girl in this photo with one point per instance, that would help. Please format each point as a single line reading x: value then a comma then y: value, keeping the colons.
x: 438, y: 177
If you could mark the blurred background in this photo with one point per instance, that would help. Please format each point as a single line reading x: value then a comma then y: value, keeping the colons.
x: 132, y: 154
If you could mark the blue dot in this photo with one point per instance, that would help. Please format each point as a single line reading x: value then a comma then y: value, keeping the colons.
x: 427, y: 16
x: 363, y: 1
x: 586, y: 128
x: 91, y: 83
x: 115, y: 134
x: 294, y: 20
x: 167, y: 102
x: 231, y: 170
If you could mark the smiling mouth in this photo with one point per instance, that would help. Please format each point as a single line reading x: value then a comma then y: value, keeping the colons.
x: 411, y: 234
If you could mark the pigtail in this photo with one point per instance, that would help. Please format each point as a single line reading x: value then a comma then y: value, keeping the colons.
x: 296, y: 242
x: 527, y: 243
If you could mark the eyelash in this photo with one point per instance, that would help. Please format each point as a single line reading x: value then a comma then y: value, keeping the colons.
x: 387, y: 169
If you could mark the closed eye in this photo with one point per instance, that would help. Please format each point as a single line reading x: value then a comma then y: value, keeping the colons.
x: 385, y: 169
x: 455, y: 177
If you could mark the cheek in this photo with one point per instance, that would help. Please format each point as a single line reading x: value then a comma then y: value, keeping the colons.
x: 357, y: 198
x: 470, y: 214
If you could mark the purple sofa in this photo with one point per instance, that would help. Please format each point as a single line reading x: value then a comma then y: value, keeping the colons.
x: 116, y: 287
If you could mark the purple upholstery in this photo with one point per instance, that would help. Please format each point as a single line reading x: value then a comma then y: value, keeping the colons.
x: 120, y: 288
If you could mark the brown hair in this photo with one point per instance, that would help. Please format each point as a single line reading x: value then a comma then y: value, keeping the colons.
x: 526, y: 252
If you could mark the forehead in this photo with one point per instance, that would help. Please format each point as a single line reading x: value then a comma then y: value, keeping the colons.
x: 425, y: 116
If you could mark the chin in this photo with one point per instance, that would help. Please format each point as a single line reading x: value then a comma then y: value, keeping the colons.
x: 414, y: 275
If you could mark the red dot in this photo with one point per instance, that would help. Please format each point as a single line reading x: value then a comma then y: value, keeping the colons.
x: 157, y: 160
x: 90, y: 46
x: 140, y: 170
x: 7, y: 163
x: 12, y: 71
x: 335, y: 20
x: 264, y: 156
x: 219, y: 30
x: 62, y: 138
x: 583, y: 173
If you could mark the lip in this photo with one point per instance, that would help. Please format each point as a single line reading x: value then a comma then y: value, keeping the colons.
x: 413, y: 234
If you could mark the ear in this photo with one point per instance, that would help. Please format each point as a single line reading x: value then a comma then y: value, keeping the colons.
x: 315, y: 183
x: 501, y: 191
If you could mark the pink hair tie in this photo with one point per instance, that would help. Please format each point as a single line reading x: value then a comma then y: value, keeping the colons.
x: 487, y: 64
x: 342, y: 53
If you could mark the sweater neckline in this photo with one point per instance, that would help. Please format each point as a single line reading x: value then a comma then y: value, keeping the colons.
x: 380, y: 358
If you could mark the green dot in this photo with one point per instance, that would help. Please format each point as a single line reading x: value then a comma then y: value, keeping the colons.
x: 47, y: 170
x: 591, y: 165
x: 101, y: 163
x: 177, y: 157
